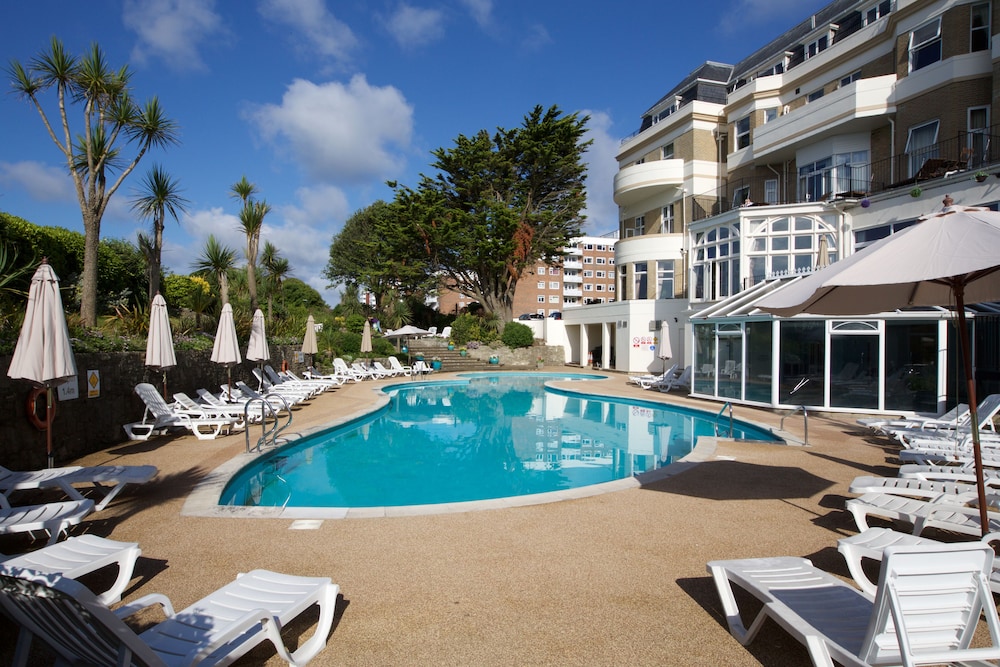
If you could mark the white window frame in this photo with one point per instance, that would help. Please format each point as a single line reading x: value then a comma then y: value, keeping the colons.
x: 850, y: 78
x: 877, y: 11
x: 639, y: 225
x: 920, y: 154
x: 985, y: 29
x: 667, y: 152
x: 741, y: 128
x: 770, y: 114
x: 925, y: 36
x: 771, y: 191
x: 667, y: 224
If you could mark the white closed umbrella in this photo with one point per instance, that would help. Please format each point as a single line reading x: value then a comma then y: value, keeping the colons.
x: 664, y: 351
x: 43, y: 354
x: 227, y: 347
x: 257, y: 348
x: 160, y: 342
x: 949, y: 258
x: 309, y: 345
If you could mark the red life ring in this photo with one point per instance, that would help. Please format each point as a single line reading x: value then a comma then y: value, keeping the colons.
x: 32, y: 408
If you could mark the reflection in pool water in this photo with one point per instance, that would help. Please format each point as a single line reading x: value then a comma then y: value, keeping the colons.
x: 476, y: 438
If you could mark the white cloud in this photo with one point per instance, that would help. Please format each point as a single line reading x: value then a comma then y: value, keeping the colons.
x: 42, y: 182
x: 171, y: 30
x: 324, y: 33
x: 535, y: 37
x: 412, y: 27
x: 601, y: 210
x: 336, y: 131
x: 481, y: 10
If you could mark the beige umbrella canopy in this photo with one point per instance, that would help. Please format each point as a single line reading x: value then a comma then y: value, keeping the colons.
x: 366, y: 339
x: 949, y: 258
x: 309, y: 341
x: 43, y: 354
x: 160, y: 342
x: 257, y: 349
x: 227, y: 347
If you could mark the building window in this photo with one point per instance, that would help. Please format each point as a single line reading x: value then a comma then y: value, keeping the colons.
x: 873, y: 14
x: 611, y: 274
x: 541, y: 298
x: 817, y: 46
x: 600, y: 260
x: 771, y: 191
x: 770, y: 114
x: 553, y: 285
x: 588, y: 274
x: 554, y: 298
x: 667, y: 227
x: 925, y: 45
x: 639, y: 225
x: 716, y: 264
x: 611, y: 288
x: 587, y: 287
x: 600, y: 274
x: 979, y: 35
x: 788, y: 244
x: 921, y: 145
x: 978, y: 137
x: 743, y: 132
x: 667, y: 152
x: 639, y: 280
x: 600, y: 288
x: 848, y: 80
x: 541, y: 284
x: 814, y: 95
x: 554, y: 271
x: 665, y: 279
x: 838, y: 174
x: 741, y: 196
x: 588, y: 260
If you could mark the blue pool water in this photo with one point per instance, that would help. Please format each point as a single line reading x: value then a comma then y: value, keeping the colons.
x: 480, y: 437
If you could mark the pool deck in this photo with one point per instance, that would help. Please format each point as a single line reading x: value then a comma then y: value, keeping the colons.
x: 616, y: 577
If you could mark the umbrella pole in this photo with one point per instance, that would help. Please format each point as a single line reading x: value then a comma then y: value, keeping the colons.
x: 49, y: 404
x: 977, y: 453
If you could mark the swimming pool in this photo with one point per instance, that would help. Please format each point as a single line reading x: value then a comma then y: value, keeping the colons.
x: 482, y: 436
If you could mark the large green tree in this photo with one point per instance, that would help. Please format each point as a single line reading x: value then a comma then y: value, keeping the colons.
x: 373, y: 253
x: 111, y: 121
x: 251, y: 224
x: 499, y: 204
x: 158, y: 196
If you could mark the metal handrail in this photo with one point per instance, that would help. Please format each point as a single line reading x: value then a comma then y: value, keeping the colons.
x: 730, y: 406
x: 268, y: 430
x: 805, y: 422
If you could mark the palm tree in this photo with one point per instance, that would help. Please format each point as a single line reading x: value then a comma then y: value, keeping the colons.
x: 110, y: 118
x: 277, y: 269
x: 159, y: 195
x: 217, y: 260
x: 251, y: 223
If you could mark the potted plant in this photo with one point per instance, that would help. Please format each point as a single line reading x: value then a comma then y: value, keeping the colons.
x: 494, y: 359
x: 916, y: 192
x: 419, y: 356
x: 980, y: 176
x: 462, y: 351
x: 436, y: 363
x: 540, y: 362
x: 451, y: 345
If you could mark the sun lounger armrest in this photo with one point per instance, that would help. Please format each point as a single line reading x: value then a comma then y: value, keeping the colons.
x: 270, y: 624
x: 145, y: 602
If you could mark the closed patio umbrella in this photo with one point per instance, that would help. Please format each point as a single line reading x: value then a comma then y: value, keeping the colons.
x: 43, y: 354
x: 257, y: 349
x: 366, y: 339
x: 160, y: 343
x: 309, y: 345
x: 949, y: 258
x: 664, y: 350
x: 227, y: 347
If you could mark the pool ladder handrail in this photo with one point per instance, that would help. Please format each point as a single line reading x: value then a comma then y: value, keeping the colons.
x: 267, y: 412
x: 805, y: 422
x: 719, y: 415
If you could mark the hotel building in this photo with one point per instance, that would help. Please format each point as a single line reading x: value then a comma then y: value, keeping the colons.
x: 841, y: 131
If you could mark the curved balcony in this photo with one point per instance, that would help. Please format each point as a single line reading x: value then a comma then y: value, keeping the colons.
x: 640, y: 181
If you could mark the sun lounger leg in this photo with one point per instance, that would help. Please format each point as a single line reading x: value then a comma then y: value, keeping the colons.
x: 736, y: 628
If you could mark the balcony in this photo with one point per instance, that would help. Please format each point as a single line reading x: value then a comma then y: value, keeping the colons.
x: 640, y: 181
x: 572, y: 278
x: 857, y: 107
x: 572, y: 264
x: 572, y: 291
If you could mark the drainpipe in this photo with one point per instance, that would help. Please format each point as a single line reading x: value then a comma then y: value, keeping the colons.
x: 892, y: 150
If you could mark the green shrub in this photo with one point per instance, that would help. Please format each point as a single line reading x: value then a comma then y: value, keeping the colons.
x: 517, y: 335
x: 465, y: 328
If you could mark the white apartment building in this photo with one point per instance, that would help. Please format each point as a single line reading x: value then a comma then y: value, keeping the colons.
x: 843, y: 130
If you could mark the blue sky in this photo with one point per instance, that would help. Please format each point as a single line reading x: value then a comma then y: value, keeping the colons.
x: 320, y: 102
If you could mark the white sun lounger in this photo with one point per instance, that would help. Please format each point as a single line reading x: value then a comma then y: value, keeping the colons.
x: 914, y: 488
x: 959, y: 412
x: 216, y: 630
x: 159, y: 416
x: 100, y: 477
x: 947, y: 512
x: 52, y: 518
x: 82, y: 555
x: 395, y: 365
x: 925, y: 610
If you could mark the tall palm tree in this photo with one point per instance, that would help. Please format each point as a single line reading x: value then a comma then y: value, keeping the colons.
x: 277, y: 269
x: 251, y: 224
x: 217, y: 260
x: 158, y: 196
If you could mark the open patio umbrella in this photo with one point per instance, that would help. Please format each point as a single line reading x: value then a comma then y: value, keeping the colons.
x: 664, y: 350
x: 160, y: 343
x: 366, y: 339
x: 406, y: 332
x: 227, y: 347
x: 257, y: 349
x: 949, y: 258
x: 43, y: 354
x: 309, y: 345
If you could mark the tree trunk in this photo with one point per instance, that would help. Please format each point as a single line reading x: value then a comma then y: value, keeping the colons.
x: 88, y: 283
x: 154, y: 263
x: 252, y: 285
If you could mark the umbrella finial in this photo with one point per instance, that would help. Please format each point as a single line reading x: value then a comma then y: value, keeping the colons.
x: 947, y: 201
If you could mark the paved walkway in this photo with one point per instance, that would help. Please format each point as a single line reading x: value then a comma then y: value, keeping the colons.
x: 611, y: 579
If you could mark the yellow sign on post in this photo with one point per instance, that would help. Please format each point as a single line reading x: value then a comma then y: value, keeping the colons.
x: 93, y: 384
